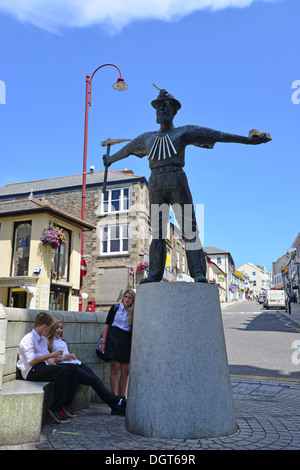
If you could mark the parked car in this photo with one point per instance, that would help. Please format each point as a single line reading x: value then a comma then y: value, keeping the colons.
x: 275, y: 299
x: 261, y: 299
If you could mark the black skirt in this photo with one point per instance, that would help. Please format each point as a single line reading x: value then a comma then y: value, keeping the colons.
x: 118, y: 345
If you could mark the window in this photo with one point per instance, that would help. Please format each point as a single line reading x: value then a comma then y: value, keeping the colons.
x: 116, y: 200
x: 254, y: 273
x: 60, y: 265
x: 21, y: 248
x: 114, y: 239
x: 219, y: 260
x: 58, y: 299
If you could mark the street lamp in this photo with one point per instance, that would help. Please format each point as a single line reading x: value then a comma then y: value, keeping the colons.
x: 120, y: 85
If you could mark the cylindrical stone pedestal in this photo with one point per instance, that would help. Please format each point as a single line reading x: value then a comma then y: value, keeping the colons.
x: 179, y: 385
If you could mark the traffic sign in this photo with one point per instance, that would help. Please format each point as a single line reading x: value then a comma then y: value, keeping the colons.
x: 83, y: 268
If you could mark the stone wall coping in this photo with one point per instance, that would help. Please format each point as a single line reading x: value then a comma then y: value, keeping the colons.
x: 27, y: 315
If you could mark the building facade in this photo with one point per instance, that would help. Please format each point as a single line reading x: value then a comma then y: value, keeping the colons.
x: 296, y: 274
x: 224, y: 261
x: 286, y: 271
x: 278, y: 275
x: 217, y: 276
x: 260, y: 278
x: 36, y: 275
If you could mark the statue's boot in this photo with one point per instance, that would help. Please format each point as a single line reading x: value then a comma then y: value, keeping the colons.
x: 197, y: 264
x: 158, y: 253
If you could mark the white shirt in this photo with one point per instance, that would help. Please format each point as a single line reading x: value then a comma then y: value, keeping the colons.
x: 121, y: 318
x: 31, y: 346
x: 60, y: 344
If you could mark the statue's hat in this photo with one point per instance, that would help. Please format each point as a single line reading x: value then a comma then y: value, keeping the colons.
x: 165, y: 96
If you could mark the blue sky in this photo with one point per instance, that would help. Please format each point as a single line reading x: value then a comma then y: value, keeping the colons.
x: 232, y: 69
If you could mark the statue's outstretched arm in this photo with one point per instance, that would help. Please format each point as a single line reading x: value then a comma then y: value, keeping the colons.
x: 134, y: 147
x: 255, y: 138
x: 207, y: 138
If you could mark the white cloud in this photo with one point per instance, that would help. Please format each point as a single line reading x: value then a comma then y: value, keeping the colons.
x: 54, y: 15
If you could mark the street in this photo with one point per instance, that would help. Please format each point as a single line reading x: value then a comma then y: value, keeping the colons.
x: 260, y: 342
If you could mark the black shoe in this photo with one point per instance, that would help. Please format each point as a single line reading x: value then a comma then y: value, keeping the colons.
x: 59, y: 416
x: 123, y: 403
x: 145, y: 280
x: 69, y: 411
x: 200, y: 278
x: 118, y: 410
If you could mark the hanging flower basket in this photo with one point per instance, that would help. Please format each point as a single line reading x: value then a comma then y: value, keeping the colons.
x: 142, y: 266
x: 53, y: 237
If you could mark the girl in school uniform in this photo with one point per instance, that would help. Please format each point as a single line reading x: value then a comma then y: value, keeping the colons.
x: 85, y: 375
x: 116, y: 341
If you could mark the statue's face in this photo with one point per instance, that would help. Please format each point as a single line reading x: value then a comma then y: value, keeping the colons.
x: 164, y: 112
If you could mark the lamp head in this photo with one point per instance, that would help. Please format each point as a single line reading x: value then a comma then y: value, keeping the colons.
x: 120, y: 85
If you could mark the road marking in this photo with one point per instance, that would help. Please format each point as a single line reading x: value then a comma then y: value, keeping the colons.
x: 67, y: 432
x: 262, y: 377
x: 233, y: 313
x: 289, y: 324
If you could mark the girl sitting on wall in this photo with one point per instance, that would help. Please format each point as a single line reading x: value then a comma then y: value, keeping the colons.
x: 85, y: 375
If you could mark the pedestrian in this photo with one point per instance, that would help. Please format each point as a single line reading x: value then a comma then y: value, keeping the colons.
x: 116, y: 341
x: 85, y: 375
x: 36, y: 363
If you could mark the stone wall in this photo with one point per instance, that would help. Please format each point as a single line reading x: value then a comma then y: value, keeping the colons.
x: 81, y: 332
x: 70, y: 202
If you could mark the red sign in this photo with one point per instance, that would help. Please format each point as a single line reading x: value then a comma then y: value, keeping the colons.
x: 83, y: 268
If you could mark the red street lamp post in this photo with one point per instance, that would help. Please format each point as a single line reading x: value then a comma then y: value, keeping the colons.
x: 120, y: 85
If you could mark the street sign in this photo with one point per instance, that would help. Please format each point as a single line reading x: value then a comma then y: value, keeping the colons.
x: 83, y: 268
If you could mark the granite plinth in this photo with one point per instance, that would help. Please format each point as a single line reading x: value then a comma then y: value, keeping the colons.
x: 179, y: 384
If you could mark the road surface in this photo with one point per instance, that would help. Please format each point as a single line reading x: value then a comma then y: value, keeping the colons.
x: 260, y: 342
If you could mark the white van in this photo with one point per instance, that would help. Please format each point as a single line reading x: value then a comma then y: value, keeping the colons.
x: 275, y: 299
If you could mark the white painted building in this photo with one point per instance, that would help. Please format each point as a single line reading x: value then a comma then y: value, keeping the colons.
x: 260, y: 278
x: 224, y: 261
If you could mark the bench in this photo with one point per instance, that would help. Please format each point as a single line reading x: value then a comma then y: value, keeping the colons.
x: 24, y: 409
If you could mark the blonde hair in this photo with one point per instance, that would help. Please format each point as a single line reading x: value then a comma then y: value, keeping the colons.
x: 51, y: 334
x: 131, y: 314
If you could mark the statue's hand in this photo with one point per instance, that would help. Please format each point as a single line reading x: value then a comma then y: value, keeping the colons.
x: 105, y: 161
x: 258, y: 137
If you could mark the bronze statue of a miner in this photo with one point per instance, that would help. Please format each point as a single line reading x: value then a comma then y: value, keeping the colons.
x: 168, y: 183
